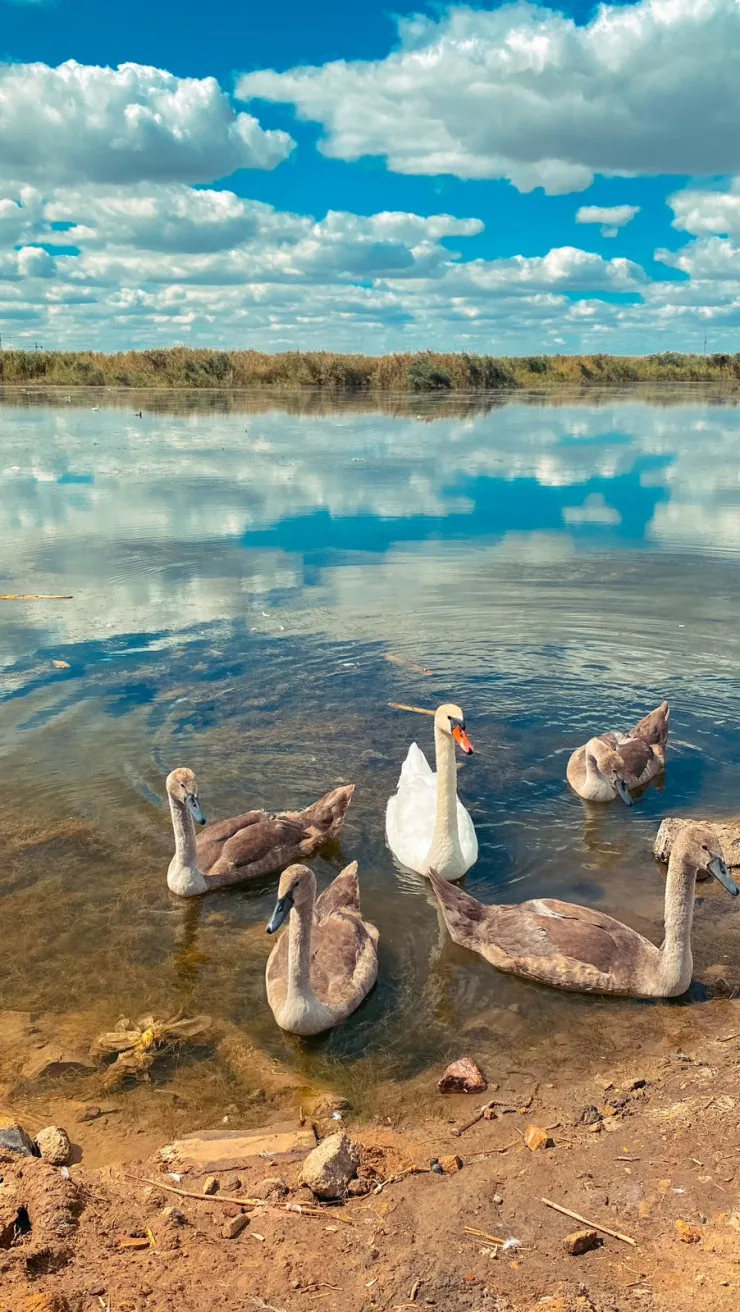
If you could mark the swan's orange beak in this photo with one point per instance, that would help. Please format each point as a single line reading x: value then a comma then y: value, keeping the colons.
x: 462, y: 740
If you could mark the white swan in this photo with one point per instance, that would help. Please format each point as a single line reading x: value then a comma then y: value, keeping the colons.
x: 426, y: 824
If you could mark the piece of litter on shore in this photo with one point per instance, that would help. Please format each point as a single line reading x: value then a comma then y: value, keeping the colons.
x: 254, y: 1235
x: 174, y: 1176
x: 369, y: 1283
x: 511, y: 1245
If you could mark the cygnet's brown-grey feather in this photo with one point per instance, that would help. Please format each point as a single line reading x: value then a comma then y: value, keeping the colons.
x: 637, y: 756
x: 257, y: 843
x: 569, y: 946
x: 343, y: 894
x: 642, y: 750
x: 654, y: 727
x: 344, y: 956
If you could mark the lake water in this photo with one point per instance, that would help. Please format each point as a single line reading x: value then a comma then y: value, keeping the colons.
x: 253, y: 581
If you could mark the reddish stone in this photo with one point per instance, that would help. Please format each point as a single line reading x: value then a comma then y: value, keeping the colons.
x: 462, y: 1076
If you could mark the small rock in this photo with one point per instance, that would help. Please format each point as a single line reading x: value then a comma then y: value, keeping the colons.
x: 43, y: 1303
x: 13, y: 1139
x: 498, y: 1199
x: 535, y: 1137
x: 232, y: 1185
x: 233, y: 1228
x: 54, y: 1146
x: 435, y: 1165
x: 329, y: 1168
x: 589, y: 1116
x: 463, y: 1076
x: 89, y: 1114
x: 211, y: 1185
x: 688, y: 1234
x: 451, y: 1164
x: 328, y: 1105
x: 358, y: 1188
x: 272, y: 1187
x: 174, y: 1215
x: 734, y: 1220
x: 581, y: 1241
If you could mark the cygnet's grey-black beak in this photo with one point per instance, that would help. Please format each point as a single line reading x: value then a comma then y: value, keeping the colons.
x: 195, y: 810
x: 717, y: 868
x: 624, y: 792
x: 281, y: 912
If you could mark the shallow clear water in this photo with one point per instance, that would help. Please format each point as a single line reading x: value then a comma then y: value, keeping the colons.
x: 253, y: 582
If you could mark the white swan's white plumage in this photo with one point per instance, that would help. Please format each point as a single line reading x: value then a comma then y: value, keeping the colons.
x: 425, y: 821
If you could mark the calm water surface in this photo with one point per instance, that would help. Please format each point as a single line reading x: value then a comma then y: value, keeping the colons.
x: 253, y: 582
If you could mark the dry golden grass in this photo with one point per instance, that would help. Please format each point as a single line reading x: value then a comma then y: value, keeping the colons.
x: 181, y: 367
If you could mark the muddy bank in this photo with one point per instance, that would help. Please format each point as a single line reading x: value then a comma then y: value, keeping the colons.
x: 647, y: 1149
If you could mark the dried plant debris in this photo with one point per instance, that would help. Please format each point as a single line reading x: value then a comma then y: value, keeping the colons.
x: 138, y: 1045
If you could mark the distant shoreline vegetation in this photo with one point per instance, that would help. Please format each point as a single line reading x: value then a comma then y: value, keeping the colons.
x: 428, y: 371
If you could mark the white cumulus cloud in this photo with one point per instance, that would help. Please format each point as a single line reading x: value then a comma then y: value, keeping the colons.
x: 610, y: 217
x: 79, y: 123
x: 524, y: 93
x: 700, y: 212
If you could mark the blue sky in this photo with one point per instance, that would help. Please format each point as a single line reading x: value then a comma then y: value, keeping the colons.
x: 356, y: 178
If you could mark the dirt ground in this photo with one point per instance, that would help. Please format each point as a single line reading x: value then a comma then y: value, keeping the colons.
x: 649, y: 1149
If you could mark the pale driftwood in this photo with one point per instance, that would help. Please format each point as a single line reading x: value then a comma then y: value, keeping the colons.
x: 417, y: 710
x: 594, y: 1225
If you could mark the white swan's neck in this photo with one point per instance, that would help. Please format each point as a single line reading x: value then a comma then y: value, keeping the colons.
x: 676, y: 961
x: 184, y: 877
x: 303, y: 1012
x: 445, y: 854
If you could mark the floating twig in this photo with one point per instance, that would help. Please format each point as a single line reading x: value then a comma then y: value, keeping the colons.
x: 35, y: 596
x: 594, y: 1225
x: 417, y: 710
x: 408, y: 665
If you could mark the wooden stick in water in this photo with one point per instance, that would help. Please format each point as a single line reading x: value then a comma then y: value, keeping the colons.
x: 417, y: 710
x: 35, y: 596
